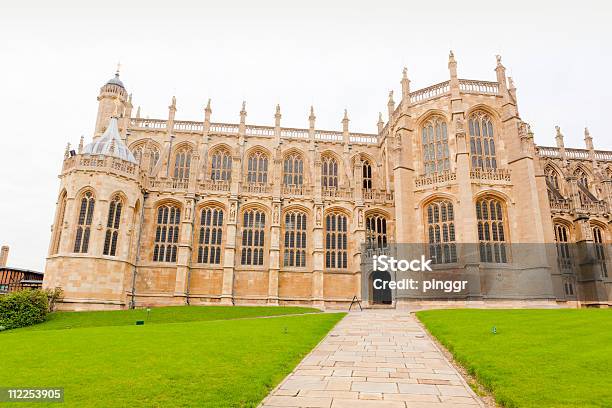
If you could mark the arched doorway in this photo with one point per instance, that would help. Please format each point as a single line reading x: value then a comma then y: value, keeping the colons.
x: 382, y: 295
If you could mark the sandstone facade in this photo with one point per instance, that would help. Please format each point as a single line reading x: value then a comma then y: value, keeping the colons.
x: 202, y: 212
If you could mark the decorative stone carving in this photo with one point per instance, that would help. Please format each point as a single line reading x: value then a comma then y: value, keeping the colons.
x: 233, y: 212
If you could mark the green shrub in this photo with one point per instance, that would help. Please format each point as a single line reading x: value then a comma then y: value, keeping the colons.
x: 23, y: 308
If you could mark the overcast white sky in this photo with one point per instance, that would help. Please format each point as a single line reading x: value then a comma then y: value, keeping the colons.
x: 332, y: 54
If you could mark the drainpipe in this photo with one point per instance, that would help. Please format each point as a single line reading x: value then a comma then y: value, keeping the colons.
x: 193, y: 232
x: 133, y: 301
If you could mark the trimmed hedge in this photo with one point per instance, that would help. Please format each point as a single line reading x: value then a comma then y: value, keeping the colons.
x: 23, y: 308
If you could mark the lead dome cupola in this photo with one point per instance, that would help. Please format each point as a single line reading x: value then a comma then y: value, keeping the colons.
x: 110, y: 144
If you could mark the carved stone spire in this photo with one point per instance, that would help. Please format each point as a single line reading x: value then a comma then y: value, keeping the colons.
x: 243, y: 113
x: 380, y: 123
x: 138, y: 113
x: 452, y: 65
x: 588, y: 140
x: 391, y: 105
x: 311, y: 118
x: 500, y: 70
x: 67, y: 151
x: 277, y: 116
x: 405, y: 86
x: 345, y: 121
x: 81, y: 144
x: 559, y: 137
x: 207, y: 111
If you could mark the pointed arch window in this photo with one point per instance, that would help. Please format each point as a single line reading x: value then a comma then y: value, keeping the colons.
x: 210, y: 236
x: 221, y: 166
x: 434, y: 139
x: 253, y: 237
x: 257, y: 168
x: 482, y: 142
x: 293, y: 170
x: 336, y: 241
x: 83, y: 231
x: 441, y: 232
x: 582, y: 180
x: 294, y: 249
x: 491, y: 230
x: 112, y: 226
x: 366, y: 174
x: 376, y: 232
x: 182, y: 164
x: 59, y: 225
x: 600, y: 250
x: 329, y: 172
x: 167, y: 233
x: 562, y: 239
x: 153, y: 153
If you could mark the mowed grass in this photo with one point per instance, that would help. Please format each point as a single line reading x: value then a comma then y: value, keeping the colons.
x: 538, y: 358
x: 214, y: 363
x: 171, y: 314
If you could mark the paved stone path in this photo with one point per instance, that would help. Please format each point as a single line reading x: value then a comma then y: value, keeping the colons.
x: 377, y: 359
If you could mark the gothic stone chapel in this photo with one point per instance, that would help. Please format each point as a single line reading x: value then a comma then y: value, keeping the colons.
x: 169, y: 212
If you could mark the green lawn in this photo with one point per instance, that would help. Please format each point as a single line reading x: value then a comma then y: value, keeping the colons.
x: 171, y: 314
x: 205, y: 363
x: 538, y: 358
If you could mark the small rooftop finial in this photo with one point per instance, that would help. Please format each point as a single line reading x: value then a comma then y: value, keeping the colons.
x: 558, y: 129
x: 498, y: 57
x: 405, y: 73
x: 391, y: 96
x: 511, y: 82
x: 208, y: 104
x: 243, y: 106
x: 278, y: 109
x: 345, y: 115
x: 81, y: 141
x: 586, y: 132
x: 451, y: 54
x: 118, y: 69
x: 173, y: 101
x: 311, y: 110
x: 380, y: 125
x: 138, y: 112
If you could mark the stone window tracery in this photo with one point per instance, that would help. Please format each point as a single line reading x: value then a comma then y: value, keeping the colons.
x: 562, y: 239
x: 83, y: 231
x: 329, y: 172
x: 434, y: 140
x: 167, y: 233
x: 482, y: 142
x: 253, y: 237
x: 336, y: 241
x: 441, y: 232
x: 600, y: 251
x: 221, y: 166
x: 491, y: 230
x: 366, y: 174
x: 210, y: 235
x: 294, y: 249
x: 257, y: 168
x: 182, y: 164
x: 376, y: 232
x: 59, y: 225
x: 112, y: 226
x: 293, y: 170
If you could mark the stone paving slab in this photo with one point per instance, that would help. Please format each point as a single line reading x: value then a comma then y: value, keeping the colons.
x: 374, y: 359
